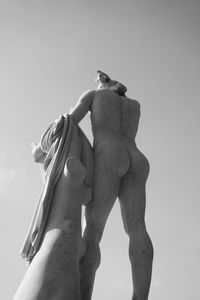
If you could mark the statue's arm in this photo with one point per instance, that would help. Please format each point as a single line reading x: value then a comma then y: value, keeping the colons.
x: 83, y: 106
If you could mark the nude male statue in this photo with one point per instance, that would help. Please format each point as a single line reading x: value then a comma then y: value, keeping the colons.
x: 120, y: 170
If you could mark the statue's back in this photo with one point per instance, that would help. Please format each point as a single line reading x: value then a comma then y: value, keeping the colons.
x: 113, y: 115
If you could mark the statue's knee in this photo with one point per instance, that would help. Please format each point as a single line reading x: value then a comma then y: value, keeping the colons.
x: 92, y: 236
x: 93, y: 254
x: 135, y: 227
x: 93, y: 231
x: 92, y: 240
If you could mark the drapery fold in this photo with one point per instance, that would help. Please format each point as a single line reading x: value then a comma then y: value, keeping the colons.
x: 52, y: 151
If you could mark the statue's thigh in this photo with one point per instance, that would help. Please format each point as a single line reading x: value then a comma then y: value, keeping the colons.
x: 132, y: 201
x: 104, y: 193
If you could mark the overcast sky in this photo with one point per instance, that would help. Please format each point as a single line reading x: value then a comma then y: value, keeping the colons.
x: 50, y: 51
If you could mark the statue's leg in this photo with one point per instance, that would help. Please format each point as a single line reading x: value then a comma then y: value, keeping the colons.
x: 105, y: 190
x: 132, y: 201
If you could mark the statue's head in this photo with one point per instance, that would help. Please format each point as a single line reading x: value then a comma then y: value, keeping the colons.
x: 102, y: 77
x: 105, y: 82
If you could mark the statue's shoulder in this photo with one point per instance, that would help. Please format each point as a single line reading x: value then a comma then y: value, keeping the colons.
x: 132, y: 101
x: 88, y: 93
x: 87, y: 97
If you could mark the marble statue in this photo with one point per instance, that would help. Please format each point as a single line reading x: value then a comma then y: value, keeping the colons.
x: 64, y: 263
x: 120, y: 170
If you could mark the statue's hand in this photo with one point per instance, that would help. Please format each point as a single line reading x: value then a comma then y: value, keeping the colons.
x: 59, y: 123
x: 37, y: 153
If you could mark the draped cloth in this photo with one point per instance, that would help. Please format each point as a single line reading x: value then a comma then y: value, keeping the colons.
x: 52, y: 151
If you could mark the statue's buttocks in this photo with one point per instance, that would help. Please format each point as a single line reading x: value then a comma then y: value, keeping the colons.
x: 114, y: 123
x: 113, y: 156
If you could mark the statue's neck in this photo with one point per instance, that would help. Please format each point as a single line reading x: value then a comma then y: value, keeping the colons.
x: 103, y: 86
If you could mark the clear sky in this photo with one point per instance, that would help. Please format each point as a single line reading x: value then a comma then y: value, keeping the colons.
x: 50, y: 51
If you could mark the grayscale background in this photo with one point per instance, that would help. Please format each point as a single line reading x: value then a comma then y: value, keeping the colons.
x: 49, y: 54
